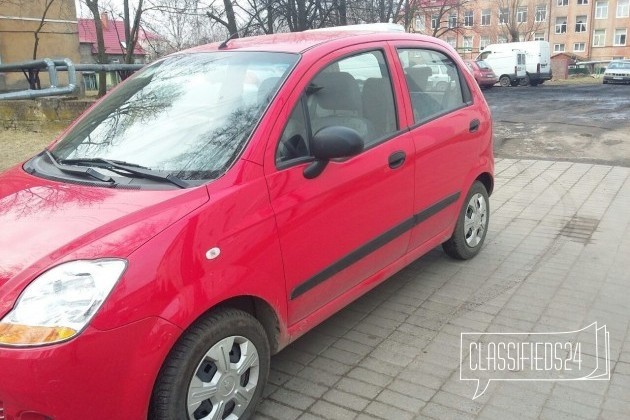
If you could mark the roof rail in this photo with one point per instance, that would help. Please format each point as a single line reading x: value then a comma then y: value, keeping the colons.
x: 371, y: 27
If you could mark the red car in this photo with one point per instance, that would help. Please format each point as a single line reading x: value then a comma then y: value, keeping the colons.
x: 217, y: 206
x: 485, y: 77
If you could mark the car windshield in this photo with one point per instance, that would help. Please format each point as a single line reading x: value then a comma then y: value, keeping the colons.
x: 625, y: 66
x: 188, y: 115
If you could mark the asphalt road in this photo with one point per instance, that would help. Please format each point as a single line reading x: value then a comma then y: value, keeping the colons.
x: 581, y: 123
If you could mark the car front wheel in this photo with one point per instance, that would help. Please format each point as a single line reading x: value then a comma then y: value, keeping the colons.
x: 217, y: 370
x: 505, y: 81
x: 472, y: 225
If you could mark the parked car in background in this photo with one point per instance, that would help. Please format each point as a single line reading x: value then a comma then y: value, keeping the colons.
x: 219, y: 204
x: 508, y: 64
x: 484, y: 75
x: 537, y: 56
x: 618, y: 71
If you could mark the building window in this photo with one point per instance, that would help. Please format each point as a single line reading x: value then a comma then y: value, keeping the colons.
x: 582, y: 2
x: 599, y: 38
x: 452, y: 20
x: 579, y: 47
x: 539, y: 36
x: 504, y: 15
x: 468, y: 18
x: 620, y: 36
x: 561, y: 25
x: 435, y: 22
x: 601, y: 9
x: 484, y: 42
x: 521, y: 14
x: 468, y: 43
x: 558, y: 47
x: 580, y: 24
x: 623, y: 8
x: 485, y: 17
x: 541, y: 13
x: 420, y: 27
x: 451, y: 41
x: 563, y: 3
x: 502, y: 39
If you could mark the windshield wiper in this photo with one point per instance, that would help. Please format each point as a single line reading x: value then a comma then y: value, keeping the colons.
x: 130, y: 169
x: 77, y: 170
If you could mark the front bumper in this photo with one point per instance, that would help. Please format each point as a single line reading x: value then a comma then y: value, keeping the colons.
x: 98, y: 375
x: 617, y: 78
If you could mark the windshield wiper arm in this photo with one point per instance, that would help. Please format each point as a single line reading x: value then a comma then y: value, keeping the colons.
x: 130, y: 168
x: 77, y: 170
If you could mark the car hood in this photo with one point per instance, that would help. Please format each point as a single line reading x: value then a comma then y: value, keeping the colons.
x: 43, y: 223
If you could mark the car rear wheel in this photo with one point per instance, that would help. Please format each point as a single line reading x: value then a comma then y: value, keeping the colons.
x: 472, y: 225
x: 524, y: 81
x: 217, y: 370
x: 505, y: 81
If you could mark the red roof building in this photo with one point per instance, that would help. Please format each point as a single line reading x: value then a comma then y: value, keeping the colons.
x: 114, y: 35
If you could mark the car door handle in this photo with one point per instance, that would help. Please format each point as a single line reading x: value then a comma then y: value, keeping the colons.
x: 397, y: 159
x: 474, y: 125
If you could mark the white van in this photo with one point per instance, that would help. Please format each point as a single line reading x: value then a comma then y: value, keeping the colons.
x: 508, y: 64
x: 538, y: 56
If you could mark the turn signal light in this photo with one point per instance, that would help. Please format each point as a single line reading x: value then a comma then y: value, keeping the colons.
x: 26, y: 335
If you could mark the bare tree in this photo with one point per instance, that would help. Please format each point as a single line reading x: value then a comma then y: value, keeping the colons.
x: 517, y: 19
x: 446, y: 16
x: 101, y: 57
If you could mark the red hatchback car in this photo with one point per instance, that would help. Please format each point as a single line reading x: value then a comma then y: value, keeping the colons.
x: 484, y: 75
x: 218, y: 205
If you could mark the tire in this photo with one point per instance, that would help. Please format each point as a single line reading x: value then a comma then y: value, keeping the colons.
x: 196, y: 360
x: 524, y: 81
x: 469, y: 235
x: 534, y: 83
x: 505, y: 81
x: 515, y: 82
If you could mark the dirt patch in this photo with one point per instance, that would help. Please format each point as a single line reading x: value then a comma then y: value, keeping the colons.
x: 18, y: 145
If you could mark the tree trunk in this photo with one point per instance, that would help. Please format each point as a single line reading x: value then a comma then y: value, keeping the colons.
x: 231, y: 18
x: 101, y: 57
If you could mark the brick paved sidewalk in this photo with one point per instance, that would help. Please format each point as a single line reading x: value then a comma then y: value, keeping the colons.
x: 556, y: 258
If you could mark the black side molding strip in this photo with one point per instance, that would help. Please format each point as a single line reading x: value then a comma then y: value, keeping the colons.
x: 372, y: 246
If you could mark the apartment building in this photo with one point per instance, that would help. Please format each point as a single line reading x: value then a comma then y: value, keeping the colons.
x: 590, y: 30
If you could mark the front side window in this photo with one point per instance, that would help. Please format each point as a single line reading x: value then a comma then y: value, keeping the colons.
x: 433, y: 81
x: 189, y: 115
x: 354, y: 92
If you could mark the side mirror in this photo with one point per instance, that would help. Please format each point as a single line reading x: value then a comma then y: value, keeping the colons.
x: 331, y: 143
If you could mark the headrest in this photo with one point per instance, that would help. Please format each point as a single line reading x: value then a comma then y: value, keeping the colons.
x: 337, y: 91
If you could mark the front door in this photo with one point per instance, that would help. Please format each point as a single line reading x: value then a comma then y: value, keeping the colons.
x: 349, y: 222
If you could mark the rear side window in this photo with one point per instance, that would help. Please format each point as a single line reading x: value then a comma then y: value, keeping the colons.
x: 354, y: 92
x: 434, y: 82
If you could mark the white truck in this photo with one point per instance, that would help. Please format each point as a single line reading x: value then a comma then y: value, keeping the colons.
x: 538, y: 57
x: 508, y: 64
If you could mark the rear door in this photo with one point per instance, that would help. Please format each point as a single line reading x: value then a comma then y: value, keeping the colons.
x: 353, y: 219
x: 445, y: 127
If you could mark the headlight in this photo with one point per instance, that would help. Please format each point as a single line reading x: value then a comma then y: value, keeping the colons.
x: 58, y: 304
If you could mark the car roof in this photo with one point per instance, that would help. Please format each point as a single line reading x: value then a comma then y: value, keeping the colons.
x: 298, y: 42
